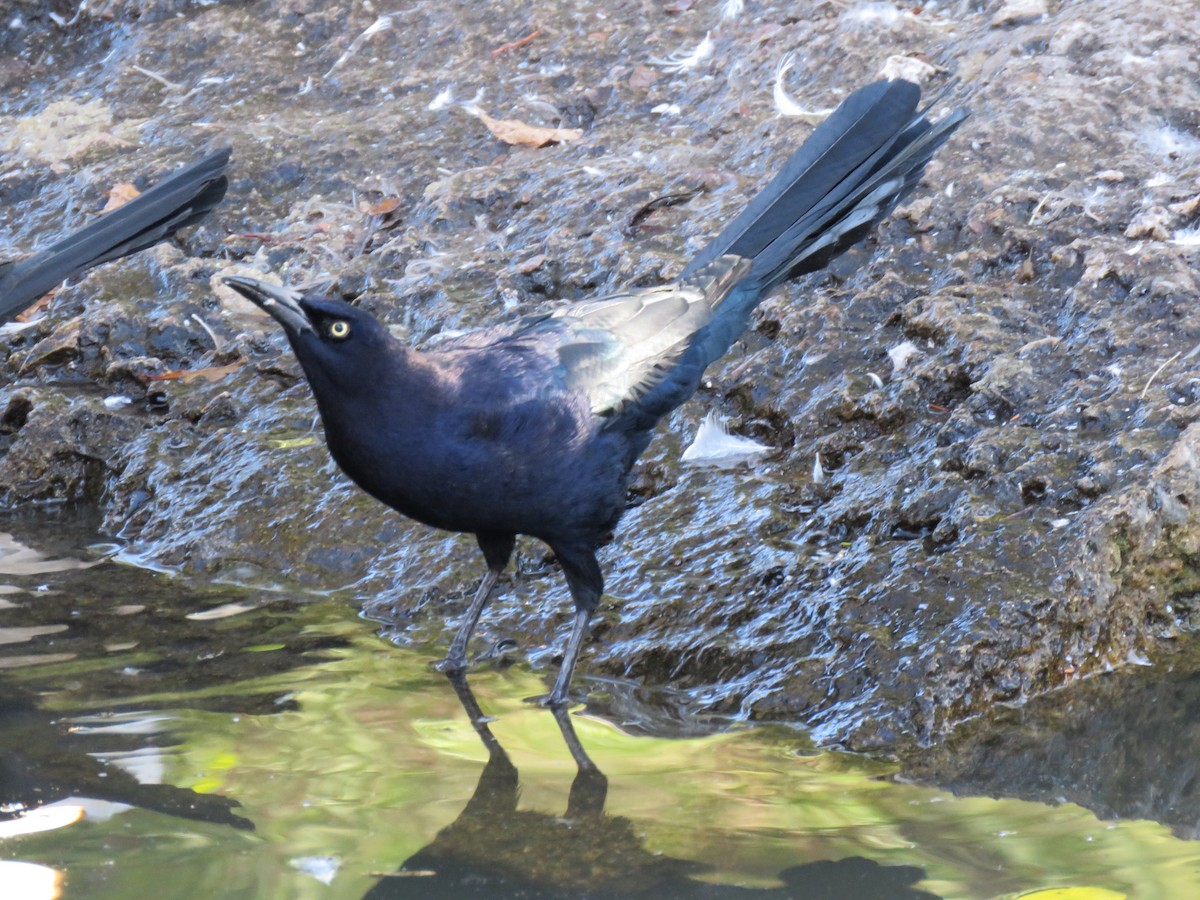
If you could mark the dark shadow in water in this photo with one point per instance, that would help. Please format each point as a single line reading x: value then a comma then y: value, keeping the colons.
x: 79, y: 714
x: 494, y: 850
x: 42, y: 761
x: 1123, y: 746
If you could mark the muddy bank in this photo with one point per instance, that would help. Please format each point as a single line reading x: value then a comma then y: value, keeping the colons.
x: 1009, y: 512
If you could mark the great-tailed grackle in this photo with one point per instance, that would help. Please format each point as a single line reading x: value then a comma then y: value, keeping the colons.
x: 533, y: 428
x: 181, y: 199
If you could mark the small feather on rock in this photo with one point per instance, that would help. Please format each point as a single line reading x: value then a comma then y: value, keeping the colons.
x: 901, y: 354
x: 715, y: 446
x: 784, y: 104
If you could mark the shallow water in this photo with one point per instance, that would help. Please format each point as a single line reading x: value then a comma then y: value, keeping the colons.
x: 137, y: 706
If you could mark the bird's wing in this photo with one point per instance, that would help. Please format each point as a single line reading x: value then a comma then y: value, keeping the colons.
x: 617, y: 350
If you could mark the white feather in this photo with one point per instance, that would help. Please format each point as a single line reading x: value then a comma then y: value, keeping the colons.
x: 714, y: 446
x: 901, y: 354
x: 1187, y: 237
x: 444, y: 98
x: 784, y: 104
x: 731, y: 9
x: 681, y: 62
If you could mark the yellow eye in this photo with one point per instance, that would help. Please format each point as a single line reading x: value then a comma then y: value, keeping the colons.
x: 339, y: 329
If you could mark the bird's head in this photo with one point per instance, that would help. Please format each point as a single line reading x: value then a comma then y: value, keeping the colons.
x: 337, y: 344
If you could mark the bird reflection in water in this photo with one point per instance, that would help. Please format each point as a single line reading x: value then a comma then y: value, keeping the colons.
x: 46, y: 758
x: 495, y: 850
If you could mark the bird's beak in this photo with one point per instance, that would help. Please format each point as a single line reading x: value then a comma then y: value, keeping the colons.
x: 281, y: 303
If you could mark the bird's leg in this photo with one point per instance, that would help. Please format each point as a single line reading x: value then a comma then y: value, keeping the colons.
x: 563, y: 719
x: 456, y: 657
x: 562, y: 687
x: 496, y: 551
x: 587, y: 584
x: 590, y: 787
x: 498, y: 789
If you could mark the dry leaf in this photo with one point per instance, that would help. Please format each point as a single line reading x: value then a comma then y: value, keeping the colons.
x: 532, y: 264
x: 18, y: 559
x: 643, y: 77
x: 46, y: 818
x: 514, y: 131
x: 224, y: 611
x: 23, y: 634
x: 120, y: 194
x: 211, y: 374
x: 31, y: 312
x: 382, y: 208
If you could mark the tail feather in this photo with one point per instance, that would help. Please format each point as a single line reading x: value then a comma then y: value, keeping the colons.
x: 180, y: 200
x: 853, y: 207
x: 838, y: 145
x: 851, y: 172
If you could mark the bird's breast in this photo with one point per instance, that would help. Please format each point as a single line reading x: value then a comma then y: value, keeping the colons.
x: 498, y: 470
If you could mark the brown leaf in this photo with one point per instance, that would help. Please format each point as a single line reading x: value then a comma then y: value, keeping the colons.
x: 31, y: 312
x: 120, y: 194
x: 17, y: 558
x: 514, y: 131
x: 382, y: 208
x: 211, y: 374
x: 643, y: 77
x: 532, y: 264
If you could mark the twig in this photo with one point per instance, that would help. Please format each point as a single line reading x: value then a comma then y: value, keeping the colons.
x: 171, y: 85
x: 1142, y: 395
x: 520, y: 42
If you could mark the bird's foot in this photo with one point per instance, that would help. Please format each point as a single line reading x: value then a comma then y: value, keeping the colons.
x: 453, y: 665
x: 559, y: 698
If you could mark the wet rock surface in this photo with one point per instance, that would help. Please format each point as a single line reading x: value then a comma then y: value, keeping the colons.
x: 1121, y: 747
x: 1007, y: 500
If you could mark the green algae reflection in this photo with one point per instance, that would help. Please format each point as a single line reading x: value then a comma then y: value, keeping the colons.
x: 360, y: 772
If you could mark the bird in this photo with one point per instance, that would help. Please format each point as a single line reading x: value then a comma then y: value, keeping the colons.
x: 181, y: 199
x: 532, y: 428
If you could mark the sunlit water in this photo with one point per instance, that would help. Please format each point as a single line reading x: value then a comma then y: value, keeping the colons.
x: 160, y: 739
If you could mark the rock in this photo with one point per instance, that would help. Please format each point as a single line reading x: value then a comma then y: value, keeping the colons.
x: 1019, y: 12
x: 927, y: 579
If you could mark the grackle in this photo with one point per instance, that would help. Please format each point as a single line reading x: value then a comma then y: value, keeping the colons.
x: 181, y: 199
x: 533, y: 428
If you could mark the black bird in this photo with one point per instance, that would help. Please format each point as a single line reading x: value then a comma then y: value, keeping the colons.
x: 533, y: 428
x: 181, y: 199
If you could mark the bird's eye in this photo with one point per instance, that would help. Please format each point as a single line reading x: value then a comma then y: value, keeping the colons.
x: 339, y: 329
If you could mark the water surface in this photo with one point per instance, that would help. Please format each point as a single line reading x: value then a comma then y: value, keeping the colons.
x: 182, y: 740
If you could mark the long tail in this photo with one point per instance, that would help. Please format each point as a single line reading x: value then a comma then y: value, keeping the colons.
x: 180, y: 200
x: 851, y: 172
